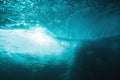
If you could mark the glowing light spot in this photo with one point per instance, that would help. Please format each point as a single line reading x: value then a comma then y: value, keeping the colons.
x: 37, y: 41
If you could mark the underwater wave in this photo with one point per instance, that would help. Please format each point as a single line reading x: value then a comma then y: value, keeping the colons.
x: 37, y: 43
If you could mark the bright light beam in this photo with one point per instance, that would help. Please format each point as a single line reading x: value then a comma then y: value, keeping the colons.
x: 37, y: 41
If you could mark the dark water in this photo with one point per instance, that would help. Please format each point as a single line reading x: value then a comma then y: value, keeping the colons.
x: 95, y: 60
x: 59, y: 39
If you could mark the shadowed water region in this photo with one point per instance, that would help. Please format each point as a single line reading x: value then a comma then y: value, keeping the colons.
x: 59, y: 39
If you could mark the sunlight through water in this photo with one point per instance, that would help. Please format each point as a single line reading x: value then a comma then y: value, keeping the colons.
x: 36, y: 43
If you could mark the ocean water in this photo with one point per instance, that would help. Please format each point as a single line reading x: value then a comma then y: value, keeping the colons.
x: 59, y: 39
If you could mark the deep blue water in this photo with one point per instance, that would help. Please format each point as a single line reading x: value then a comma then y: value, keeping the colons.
x: 59, y: 39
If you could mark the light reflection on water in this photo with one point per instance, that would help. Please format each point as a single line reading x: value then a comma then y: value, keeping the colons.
x: 35, y: 45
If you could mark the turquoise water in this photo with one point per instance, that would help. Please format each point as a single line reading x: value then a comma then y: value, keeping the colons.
x: 26, y: 31
x: 63, y: 18
x: 36, y: 33
x: 37, y: 43
x: 43, y: 27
